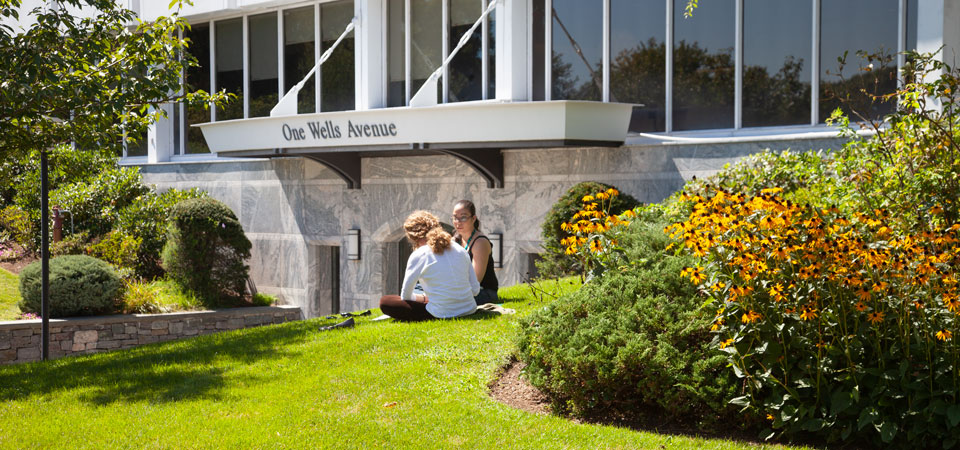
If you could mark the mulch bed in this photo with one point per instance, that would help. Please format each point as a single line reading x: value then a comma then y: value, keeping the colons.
x: 513, y: 390
x: 17, y: 265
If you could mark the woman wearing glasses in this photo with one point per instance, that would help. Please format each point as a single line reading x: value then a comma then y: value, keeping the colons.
x: 479, y: 247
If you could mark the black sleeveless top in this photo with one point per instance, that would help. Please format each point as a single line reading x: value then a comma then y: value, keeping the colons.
x: 489, y: 280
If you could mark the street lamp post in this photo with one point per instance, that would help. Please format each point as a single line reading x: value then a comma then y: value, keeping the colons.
x: 44, y: 260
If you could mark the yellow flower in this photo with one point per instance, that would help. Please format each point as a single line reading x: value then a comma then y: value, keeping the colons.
x: 602, y: 195
x: 860, y: 306
x: 588, y: 198
x: 773, y: 190
x: 808, y: 313
x: 726, y: 343
x: 613, y: 192
x: 750, y: 317
x: 943, y: 335
x: 875, y: 317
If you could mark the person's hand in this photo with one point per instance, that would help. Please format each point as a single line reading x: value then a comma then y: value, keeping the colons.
x: 424, y: 299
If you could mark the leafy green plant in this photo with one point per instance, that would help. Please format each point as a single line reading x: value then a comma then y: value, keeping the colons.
x: 118, y: 249
x: 72, y: 244
x: 555, y: 261
x: 141, y: 297
x: 15, y: 222
x: 146, y: 220
x: 79, y: 285
x: 631, y: 344
x: 261, y: 299
x: 910, y: 164
x: 206, y: 249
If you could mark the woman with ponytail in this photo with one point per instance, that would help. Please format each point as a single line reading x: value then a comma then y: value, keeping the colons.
x: 444, y: 270
x: 479, y: 248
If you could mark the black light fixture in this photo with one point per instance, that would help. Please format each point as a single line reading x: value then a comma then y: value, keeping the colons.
x: 353, y: 244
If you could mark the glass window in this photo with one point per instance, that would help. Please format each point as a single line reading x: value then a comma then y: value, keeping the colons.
x: 492, y: 54
x: 638, y: 60
x: 229, y: 45
x: 298, y: 55
x: 264, y: 80
x: 466, y: 76
x: 196, y: 78
x: 396, y: 46
x: 577, y: 72
x: 703, y: 66
x: 137, y: 147
x: 851, y: 26
x: 426, y: 37
x: 538, y: 51
x: 337, y: 82
x: 776, y: 62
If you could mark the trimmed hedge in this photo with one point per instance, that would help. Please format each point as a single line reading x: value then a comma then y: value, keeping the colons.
x: 631, y: 345
x: 205, y: 251
x: 80, y: 285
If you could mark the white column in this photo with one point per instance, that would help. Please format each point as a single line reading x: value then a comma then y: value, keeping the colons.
x: 513, y: 60
x: 370, y: 72
x: 160, y: 142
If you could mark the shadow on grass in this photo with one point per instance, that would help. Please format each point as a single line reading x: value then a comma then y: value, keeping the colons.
x: 167, y: 372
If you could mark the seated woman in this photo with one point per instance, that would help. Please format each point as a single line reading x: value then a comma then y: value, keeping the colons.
x: 479, y: 248
x: 444, y: 270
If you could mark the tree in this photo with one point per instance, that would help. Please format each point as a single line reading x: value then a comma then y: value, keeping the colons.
x: 87, y: 80
x: 90, y: 79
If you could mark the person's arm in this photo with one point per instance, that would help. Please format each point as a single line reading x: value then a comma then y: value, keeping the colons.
x: 481, y: 252
x: 474, y: 283
x: 414, y: 268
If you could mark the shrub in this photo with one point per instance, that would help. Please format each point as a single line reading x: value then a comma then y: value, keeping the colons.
x: 910, y: 166
x: 261, y: 299
x: 118, y: 249
x: 630, y: 344
x: 206, y: 249
x: 16, y: 223
x: 145, y: 220
x: 555, y: 261
x: 79, y: 285
x: 140, y: 297
x: 72, y: 244
x: 96, y: 202
x: 840, y: 326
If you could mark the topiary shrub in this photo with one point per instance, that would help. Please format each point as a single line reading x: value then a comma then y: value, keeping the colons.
x: 631, y: 345
x: 554, y: 261
x: 80, y: 285
x: 205, y: 251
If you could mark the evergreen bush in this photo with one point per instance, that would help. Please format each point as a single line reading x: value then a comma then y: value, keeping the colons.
x: 145, y: 220
x: 79, y: 285
x: 554, y: 261
x: 631, y: 345
x: 205, y: 251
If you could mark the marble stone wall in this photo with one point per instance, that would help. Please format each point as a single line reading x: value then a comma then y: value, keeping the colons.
x: 296, y: 211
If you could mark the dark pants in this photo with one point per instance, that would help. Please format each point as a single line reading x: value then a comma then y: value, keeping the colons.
x: 487, y: 296
x: 400, y: 309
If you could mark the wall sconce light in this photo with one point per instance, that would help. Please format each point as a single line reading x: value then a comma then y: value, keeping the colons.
x: 496, y: 241
x: 353, y: 244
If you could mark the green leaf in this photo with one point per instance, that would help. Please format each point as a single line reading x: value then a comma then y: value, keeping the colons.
x: 887, y: 431
x: 953, y: 415
x: 867, y: 417
x: 839, y: 402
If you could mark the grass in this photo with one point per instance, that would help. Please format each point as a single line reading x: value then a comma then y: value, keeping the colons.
x: 290, y: 386
x: 9, y: 295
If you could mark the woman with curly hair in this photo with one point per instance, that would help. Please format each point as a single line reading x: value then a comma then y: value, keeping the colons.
x: 444, y: 271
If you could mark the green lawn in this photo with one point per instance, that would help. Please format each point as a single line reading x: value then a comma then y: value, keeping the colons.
x: 290, y: 386
x: 9, y: 295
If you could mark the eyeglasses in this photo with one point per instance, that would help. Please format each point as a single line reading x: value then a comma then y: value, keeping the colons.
x: 461, y: 218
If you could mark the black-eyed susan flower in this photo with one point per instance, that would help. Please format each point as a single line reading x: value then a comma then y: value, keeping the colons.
x: 944, y: 335
x: 875, y: 317
x: 726, y: 343
x: 750, y: 317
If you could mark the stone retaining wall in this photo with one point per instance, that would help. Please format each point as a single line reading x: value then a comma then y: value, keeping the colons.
x: 20, y: 340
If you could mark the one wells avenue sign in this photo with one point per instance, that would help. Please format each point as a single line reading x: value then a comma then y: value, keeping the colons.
x: 328, y: 129
x: 459, y: 123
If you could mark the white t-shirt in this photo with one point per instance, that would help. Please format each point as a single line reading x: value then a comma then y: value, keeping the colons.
x: 447, y: 278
